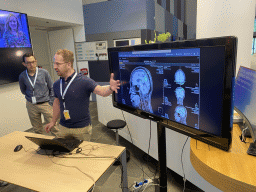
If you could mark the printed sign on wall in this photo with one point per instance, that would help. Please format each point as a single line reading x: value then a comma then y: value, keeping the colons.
x: 91, y: 51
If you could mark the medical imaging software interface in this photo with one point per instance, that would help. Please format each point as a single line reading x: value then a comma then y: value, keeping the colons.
x: 165, y: 83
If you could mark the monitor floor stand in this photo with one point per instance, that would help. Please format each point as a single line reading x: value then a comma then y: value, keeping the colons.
x: 161, y: 137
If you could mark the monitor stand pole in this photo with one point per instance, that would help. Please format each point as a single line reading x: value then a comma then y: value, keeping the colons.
x: 162, y: 157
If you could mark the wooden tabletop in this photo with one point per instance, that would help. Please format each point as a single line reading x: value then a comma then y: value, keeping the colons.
x: 229, y: 171
x: 43, y: 173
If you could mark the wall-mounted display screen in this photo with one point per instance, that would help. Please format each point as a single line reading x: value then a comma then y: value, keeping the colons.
x: 14, y: 43
x: 185, y: 85
x: 14, y: 30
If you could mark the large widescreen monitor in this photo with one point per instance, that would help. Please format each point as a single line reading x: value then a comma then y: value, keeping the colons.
x: 186, y: 86
x: 14, y: 43
x: 245, y: 97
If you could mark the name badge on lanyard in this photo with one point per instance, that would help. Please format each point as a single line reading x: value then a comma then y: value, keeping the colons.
x: 33, y: 86
x: 66, y: 112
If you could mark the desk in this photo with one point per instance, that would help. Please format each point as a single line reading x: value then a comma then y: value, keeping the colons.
x: 38, y: 172
x: 228, y: 171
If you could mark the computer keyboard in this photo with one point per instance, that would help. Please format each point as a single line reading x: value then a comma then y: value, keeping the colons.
x: 252, y: 149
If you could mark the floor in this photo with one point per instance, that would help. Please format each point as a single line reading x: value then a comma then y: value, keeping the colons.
x: 141, y: 166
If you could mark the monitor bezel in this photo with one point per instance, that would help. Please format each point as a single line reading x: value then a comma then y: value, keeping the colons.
x: 230, y: 43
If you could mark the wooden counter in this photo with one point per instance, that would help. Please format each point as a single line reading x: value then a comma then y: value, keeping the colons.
x: 229, y: 171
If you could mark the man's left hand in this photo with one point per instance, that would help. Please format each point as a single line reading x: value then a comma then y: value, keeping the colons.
x: 114, y: 85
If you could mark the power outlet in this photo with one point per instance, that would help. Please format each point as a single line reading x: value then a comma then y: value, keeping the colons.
x: 141, y: 185
x: 137, y: 186
x: 146, y: 182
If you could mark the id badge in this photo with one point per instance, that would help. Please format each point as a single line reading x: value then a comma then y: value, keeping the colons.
x: 33, y: 100
x: 66, y: 114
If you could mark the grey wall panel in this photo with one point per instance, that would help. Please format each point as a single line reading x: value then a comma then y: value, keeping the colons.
x: 175, y: 26
x: 185, y: 31
x: 178, y: 8
x: 150, y: 6
x: 159, y: 18
x: 110, y: 37
x: 182, y: 9
x: 175, y: 8
x: 180, y: 28
x: 190, y: 18
x: 172, y: 7
x: 164, y: 4
x: 112, y: 16
x: 169, y: 22
x: 168, y: 5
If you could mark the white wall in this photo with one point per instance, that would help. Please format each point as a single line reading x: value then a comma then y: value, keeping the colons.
x: 226, y: 18
x: 60, y: 10
x: 61, y: 39
x: 40, y: 44
x: 13, y: 113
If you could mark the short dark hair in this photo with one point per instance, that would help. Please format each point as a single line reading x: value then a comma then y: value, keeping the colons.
x: 27, y: 55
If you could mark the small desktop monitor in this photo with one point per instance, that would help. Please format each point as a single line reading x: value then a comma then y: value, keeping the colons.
x: 186, y: 86
x: 245, y: 97
x: 119, y: 43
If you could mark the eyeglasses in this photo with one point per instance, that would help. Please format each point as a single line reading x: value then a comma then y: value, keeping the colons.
x: 58, y: 64
x: 30, y: 63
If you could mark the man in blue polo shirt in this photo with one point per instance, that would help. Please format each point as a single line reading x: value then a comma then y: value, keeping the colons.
x: 72, y: 92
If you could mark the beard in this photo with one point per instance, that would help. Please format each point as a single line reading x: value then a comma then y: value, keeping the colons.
x: 32, y: 70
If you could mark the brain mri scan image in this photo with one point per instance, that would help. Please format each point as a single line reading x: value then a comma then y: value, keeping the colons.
x: 180, y: 77
x: 180, y: 114
x: 141, y: 87
x: 180, y: 95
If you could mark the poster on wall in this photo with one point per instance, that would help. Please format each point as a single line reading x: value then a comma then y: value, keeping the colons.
x: 91, y: 51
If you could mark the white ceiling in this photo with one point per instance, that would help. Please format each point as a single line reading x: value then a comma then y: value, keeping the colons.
x: 46, y: 24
